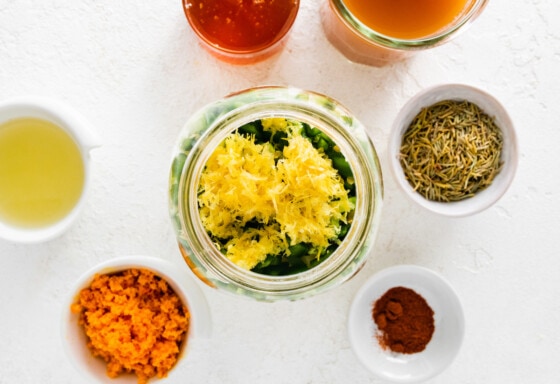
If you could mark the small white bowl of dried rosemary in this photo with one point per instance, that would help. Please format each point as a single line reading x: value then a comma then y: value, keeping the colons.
x: 453, y: 149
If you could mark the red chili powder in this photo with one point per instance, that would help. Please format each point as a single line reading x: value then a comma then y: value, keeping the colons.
x: 405, y: 321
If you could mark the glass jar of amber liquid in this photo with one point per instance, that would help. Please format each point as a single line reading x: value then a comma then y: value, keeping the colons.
x: 380, y: 32
x: 241, y: 31
x: 207, y: 129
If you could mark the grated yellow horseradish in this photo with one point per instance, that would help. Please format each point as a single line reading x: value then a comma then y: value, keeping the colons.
x: 257, y: 199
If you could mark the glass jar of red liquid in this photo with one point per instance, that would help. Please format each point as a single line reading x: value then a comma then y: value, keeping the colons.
x: 241, y: 31
x: 380, y: 32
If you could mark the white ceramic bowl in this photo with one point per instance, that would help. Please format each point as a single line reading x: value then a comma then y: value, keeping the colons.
x: 448, y: 319
x: 491, y: 107
x: 74, y: 339
x: 85, y: 138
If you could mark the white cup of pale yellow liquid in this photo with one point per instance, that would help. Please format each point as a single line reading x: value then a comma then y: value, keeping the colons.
x: 44, y: 168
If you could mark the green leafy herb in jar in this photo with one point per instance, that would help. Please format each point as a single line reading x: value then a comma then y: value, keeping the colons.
x: 277, y: 196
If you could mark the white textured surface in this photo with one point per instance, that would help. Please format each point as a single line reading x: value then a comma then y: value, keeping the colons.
x: 134, y: 69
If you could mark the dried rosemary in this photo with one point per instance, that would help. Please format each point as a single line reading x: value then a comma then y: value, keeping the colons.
x: 451, y: 151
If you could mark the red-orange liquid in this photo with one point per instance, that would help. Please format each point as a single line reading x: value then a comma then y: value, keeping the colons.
x: 407, y: 19
x: 241, y: 25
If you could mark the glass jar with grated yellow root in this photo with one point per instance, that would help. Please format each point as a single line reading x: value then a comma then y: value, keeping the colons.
x: 275, y: 193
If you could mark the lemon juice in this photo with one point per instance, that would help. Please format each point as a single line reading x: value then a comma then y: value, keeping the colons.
x: 41, y: 172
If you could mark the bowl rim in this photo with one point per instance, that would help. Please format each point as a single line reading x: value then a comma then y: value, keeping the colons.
x: 200, y: 325
x: 490, y: 105
x: 380, y: 279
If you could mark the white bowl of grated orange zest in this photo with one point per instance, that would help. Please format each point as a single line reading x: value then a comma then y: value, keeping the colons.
x: 184, y: 325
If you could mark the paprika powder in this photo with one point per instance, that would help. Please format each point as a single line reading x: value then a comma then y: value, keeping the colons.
x: 404, y: 319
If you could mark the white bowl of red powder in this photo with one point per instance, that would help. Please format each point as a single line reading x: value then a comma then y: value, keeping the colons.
x: 406, y: 324
x: 144, y: 312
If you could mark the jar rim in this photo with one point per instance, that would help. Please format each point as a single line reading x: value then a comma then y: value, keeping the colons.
x: 472, y: 10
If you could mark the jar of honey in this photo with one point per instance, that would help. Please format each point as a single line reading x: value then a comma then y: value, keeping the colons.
x: 380, y: 32
x: 241, y: 31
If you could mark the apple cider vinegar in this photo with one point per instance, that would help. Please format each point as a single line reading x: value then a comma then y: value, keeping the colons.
x: 42, y: 172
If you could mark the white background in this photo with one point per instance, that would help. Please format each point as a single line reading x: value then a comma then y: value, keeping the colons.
x: 136, y: 71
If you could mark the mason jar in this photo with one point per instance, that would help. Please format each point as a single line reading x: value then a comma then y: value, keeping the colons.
x: 349, y: 33
x: 209, y: 126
